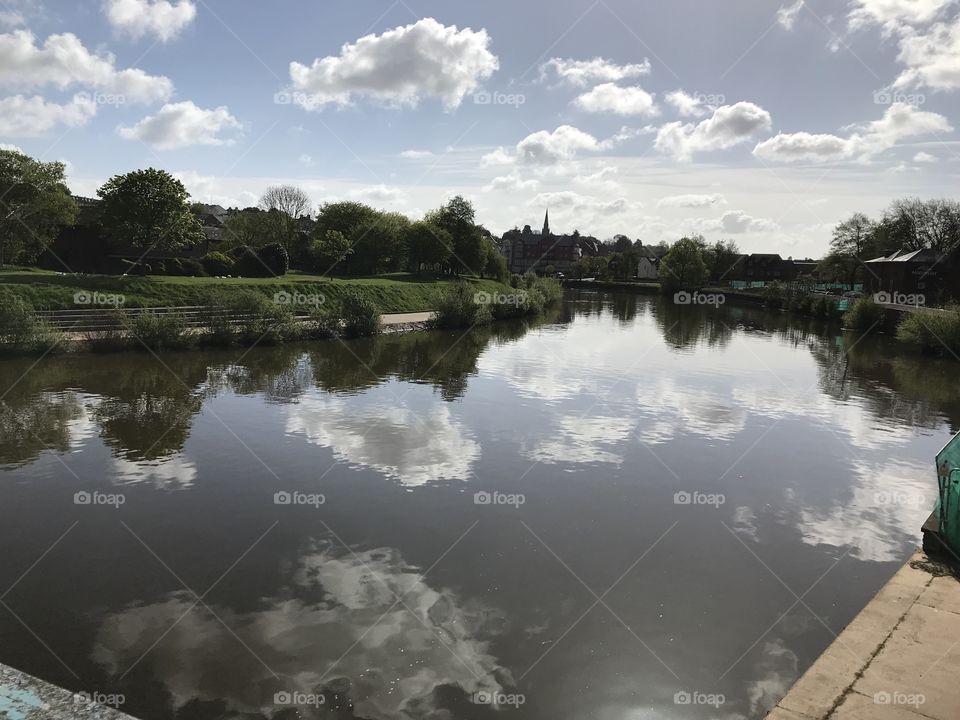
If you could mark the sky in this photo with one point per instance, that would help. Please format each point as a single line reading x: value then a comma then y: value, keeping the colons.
x: 762, y: 122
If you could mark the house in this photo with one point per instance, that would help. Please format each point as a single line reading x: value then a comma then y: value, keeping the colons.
x: 648, y: 263
x: 916, y: 272
x: 762, y: 267
x: 532, y: 251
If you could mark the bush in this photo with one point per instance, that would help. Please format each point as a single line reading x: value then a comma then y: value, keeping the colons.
x: 863, y: 315
x: 551, y: 288
x: 516, y: 280
x: 275, y: 257
x: 933, y: 332
x: 459, y: 308
x: 217, y: 264
x: 188, y: 267
x: 773, y: 295
x: 261, y: 321
x: 320, y: 325
x: 158, y: 331
x: 250, y: 264
x: 361, y: 316
x: 22, y: 331
x: 529, y: 280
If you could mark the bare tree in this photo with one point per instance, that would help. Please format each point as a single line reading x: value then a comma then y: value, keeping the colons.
x: 288, y: 199
x: 918, y: 224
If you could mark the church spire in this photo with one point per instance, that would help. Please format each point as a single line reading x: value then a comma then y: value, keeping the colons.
x: 546, y: 223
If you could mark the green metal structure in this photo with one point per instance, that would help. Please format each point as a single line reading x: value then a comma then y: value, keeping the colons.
x: 942, y: 530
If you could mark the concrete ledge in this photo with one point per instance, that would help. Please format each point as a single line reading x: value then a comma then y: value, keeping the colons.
x: 24, y: 697
x: 904, y: 645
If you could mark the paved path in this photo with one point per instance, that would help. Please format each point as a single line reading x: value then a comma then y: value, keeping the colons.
x: 403, y: 318
x: 898, y: 660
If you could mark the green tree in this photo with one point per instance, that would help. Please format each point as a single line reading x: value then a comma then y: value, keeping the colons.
x: 285, y: 205
x: 148, y: 209
x: 427, y: 245
x: 721, y: 258
x: 34, y: 203
x: 329, y: 250
x: 458, y: 218
x: 683, y: 267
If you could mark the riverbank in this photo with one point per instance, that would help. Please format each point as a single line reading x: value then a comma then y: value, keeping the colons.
x: 24, y: 697
x: 899, y: 659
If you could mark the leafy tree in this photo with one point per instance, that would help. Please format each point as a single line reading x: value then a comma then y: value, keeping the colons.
x: 853, y: 236
x: 622, y: 244
x: 275, y: 257
x: 683, y: 267
x: 458, y: 217
x: 328, y: 251
x: 427, y: 244
x: 149, y: 210
x: 34, y: 203
x: 721, y: 258
x: 918, y: 224
x: 378, y: 246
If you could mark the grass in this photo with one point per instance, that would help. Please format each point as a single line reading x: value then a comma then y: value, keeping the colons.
x: 401, y: 292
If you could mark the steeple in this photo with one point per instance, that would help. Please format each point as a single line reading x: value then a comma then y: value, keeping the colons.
x: 546, y: 223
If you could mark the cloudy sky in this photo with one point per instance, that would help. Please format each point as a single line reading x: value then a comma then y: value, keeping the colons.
x: 761, y: 121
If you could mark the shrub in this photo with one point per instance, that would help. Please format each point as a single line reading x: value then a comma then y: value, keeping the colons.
x: 361, y: 316
x: 22, y: 331
x: 529, y: 280
x: 773, y: 295
x: 459, y: 308
x: 250, y: 264
x: 933, y: 332
x: 275, y: 257
x: 551, y: 288
x: 217, y: 264
x: 320, y: 324
x: 189, y: 267
x: 516, y: 280
x: 261, y: 321
x: 864, y: 315
x: 158, y: 331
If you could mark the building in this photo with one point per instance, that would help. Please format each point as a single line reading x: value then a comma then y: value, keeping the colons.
x: 532, y: 251
x: 761, y: 267
x: 648, y: 263
x: 922, y: 272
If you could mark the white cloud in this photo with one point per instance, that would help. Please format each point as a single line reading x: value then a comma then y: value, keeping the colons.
x: 547, y: 148
x: 893, y: 13
x: 401, y: 66
x: 932, y: 57
x: 691, y: 201
x: 787, y: 15
x: 620, y: 100
x: 729, y: 125
x: 160, y: 18
x: 737, y: 222
x: 500, y: 156
x: 378, y: 193
x: 11, y: 148
x: 62, y: 62
x: 584, y: 72
x: 899, y: 122
x: 183, y: 124
x: 29, y: 117
x: 685, y: 104
x: 577, y: 204
x: 511, y: 182
x: 416, y: 154
x: 924, y: 157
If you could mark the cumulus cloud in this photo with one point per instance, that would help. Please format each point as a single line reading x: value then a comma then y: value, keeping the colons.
x: 11, y: 148
x: 685, y: 104
x: 32, y: 116
x: 615, y: 99
x: 787, y: 15
x: 924, y: 157
x: 737, y: 222
x: 577, y: 204
x: 513, y: 182
x: 585, y: 72
x: 547, y: 148
x: 160, y: 18
x: 401, y: 66
x: 500, y: 156
x: 893, y: 13
x: 63, y: 62
x: 183, y: 124
x: 730, y: 125
x: 691, y: 201
x: 932, y: 57
x: 416, y: 154
x: 378, y: 193
x: 899, y: 122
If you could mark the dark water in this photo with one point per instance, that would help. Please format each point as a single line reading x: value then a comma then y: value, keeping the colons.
x: 807, y: 454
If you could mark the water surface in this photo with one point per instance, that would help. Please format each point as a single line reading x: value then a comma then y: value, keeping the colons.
x: 588, y: 587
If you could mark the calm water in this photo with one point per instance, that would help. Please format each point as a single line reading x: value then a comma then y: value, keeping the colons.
x: 807, y: 462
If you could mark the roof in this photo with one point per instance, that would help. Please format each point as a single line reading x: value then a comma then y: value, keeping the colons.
x: 86, y: 201
x: 903, y: 255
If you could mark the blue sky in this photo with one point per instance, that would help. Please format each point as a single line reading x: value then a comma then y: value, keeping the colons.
x: 761, y: 122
